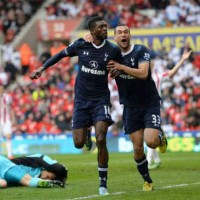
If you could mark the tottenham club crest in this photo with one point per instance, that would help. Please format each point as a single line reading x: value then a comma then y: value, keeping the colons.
x: 106, y: 57
x: 132, y: 62
x: 93, y: 64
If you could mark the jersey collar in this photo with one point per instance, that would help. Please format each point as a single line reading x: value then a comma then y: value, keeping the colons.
x: 98, y: 47
x: 129, y: 51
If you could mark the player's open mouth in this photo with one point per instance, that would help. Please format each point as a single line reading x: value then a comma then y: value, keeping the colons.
x: 123, y: 40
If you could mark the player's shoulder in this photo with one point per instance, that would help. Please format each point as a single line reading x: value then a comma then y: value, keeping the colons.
x: 140, y: 47
x: 111, y: 44
x: 79, y: 42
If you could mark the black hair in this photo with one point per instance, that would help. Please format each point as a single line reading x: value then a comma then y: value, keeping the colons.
x: 60, y: 171
x: 92, y: 22
x: 118, y: 26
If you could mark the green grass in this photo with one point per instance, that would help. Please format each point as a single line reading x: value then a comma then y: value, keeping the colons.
x: 176, y: 170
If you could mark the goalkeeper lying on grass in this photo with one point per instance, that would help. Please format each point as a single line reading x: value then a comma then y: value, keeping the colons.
x: 33, y: 171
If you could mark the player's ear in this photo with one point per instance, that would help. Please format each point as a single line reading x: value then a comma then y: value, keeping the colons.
x: 92, y: 30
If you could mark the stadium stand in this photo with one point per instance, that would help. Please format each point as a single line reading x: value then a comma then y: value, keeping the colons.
x: 46, y: 105
x: 15, y: 14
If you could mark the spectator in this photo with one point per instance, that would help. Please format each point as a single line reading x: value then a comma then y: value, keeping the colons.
x: 45, y: 55
x: 7, y: 119
x: 26, y: 53
x: 186, y: 47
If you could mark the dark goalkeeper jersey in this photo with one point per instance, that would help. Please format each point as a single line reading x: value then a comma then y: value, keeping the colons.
x: 132, y: 91
x: 92, y: 79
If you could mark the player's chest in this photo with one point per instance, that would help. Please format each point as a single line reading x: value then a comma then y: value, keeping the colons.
x: 95, y: 58
x: 132, y: 61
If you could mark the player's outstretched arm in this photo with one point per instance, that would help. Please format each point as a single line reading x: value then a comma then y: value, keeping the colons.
x: 51, y: 61
x: 184, y: 57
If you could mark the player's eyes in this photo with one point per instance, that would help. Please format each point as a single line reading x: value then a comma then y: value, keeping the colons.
x: 103, y: 26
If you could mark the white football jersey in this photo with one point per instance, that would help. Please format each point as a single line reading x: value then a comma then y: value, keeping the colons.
x: 5, y: 106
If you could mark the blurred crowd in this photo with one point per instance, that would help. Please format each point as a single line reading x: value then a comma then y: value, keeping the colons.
x: 44, y: 105
x: 181, y: 94
x: 14, y: 14
x: 134, y: 13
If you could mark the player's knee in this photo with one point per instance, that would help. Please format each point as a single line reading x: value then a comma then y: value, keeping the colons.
x: 78, y: 139
x: 151, y: 143
x: 78, y: 144
x: 100, y: 142
x: 3, y: 183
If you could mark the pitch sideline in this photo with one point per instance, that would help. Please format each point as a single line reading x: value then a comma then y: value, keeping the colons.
x: 119, y: 193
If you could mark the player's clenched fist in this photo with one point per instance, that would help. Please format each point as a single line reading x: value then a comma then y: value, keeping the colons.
x: 36, y: 74
x: 113, y: 68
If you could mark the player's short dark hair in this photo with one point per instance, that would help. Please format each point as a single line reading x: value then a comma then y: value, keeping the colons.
x: 118, y: 26
x: 60, y: 171
x: 92, y: 22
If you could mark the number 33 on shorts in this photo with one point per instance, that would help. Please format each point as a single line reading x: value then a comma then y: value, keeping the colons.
x: 156, y: 120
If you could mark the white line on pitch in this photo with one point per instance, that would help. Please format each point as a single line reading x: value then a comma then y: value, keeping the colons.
x: 93, y: 196
x: 119, y: 193
x: 180, y: 185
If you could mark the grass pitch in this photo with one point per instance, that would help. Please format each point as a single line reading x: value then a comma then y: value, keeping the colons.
x: 178, y: 178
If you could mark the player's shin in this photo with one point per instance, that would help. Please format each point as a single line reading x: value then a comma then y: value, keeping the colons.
x: 142, y: 166
x: 103, y: 180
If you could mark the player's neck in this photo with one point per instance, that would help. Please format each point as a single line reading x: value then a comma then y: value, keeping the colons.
x: 124, y: 50
x: 98, y: 42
